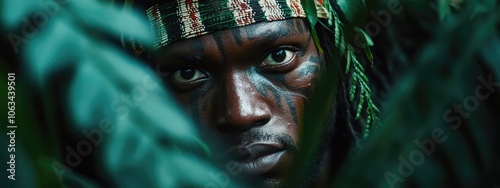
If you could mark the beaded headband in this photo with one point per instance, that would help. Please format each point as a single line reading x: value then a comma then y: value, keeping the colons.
x: 182, y: 19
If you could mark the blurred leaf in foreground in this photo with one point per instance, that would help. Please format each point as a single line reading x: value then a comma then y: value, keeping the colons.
x: 101, y: 104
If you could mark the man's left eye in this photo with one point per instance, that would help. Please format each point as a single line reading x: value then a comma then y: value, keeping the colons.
x: 278, y: 57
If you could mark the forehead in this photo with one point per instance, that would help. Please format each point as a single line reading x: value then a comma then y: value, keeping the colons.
x: 258, y: 34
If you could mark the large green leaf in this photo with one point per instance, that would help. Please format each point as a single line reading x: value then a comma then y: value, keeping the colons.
x: 445, y: 73
x: 88, y: 83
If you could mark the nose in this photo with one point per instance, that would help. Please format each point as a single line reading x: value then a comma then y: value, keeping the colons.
x: 241, y: 106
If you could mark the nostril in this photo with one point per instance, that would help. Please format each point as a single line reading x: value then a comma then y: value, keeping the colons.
x: 261, y: 122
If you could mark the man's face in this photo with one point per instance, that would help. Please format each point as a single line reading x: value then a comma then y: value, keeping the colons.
x: 249, y: 85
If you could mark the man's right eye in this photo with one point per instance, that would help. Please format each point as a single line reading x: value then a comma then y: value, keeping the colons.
x: 187, y: 75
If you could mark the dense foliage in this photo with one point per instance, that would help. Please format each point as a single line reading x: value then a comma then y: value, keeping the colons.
x: 425, y: 61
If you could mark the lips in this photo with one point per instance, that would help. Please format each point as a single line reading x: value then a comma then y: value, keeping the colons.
x: 259, y: 157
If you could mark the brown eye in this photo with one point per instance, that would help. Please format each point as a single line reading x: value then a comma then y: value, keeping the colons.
x: 187, y: 75
x: 278, y: 57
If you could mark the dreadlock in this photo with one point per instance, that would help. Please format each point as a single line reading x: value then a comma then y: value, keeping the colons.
x: 348, y: 129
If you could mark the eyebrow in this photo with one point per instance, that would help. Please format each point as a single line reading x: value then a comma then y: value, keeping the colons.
x: 179, y: 60
x: 178, y: 57
x: 264, y: 37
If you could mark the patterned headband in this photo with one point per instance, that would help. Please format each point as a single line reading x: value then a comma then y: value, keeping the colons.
x: 182, y: 19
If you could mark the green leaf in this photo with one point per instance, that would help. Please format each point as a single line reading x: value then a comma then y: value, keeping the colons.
x: 311, y: 12
x: 150, y: 141
x: 354, y: 10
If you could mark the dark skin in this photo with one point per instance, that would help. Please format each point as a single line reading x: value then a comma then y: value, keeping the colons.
x: 249, y: 86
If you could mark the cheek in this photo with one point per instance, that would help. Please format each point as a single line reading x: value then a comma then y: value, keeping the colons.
x: 294, y: 88
x: 302, y: 80
x: 196, y: 103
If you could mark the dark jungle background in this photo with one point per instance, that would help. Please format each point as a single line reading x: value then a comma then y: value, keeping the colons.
x: 430, y: 56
